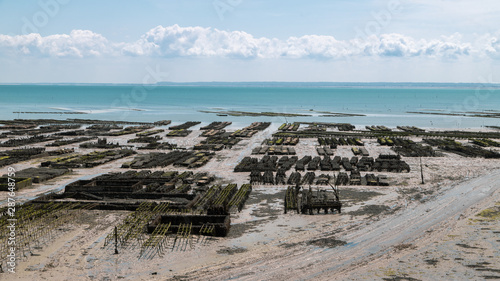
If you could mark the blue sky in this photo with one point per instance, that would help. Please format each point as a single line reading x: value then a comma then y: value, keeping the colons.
x: 249, y: 40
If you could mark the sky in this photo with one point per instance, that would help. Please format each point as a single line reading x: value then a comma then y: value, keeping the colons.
x: 148, y: 41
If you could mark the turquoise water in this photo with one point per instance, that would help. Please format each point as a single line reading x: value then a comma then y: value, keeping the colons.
x: 382, y: 105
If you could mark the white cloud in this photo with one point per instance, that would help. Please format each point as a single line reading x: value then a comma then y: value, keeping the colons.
x: 315, y: 46
x: 490, y: 44
x: 176, y: 41
x: 397, y: 45
x: 79, y: 43
x: 199, y: 41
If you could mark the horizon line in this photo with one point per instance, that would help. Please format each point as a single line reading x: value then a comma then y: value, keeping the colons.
x: 243, y: 82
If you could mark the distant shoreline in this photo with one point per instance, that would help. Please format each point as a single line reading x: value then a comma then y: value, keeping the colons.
x: 388, y: 85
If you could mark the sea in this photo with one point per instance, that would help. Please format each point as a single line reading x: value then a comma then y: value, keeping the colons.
x: 389, y: 104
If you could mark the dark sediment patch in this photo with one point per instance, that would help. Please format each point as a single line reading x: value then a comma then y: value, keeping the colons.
x: 489, y: 269
x: 431, y: 262
x: 401, y: 247
x: 478, y: 265
x: 179, y: 278
x: 467, y: 246
x: 401, y: 278
x: 484, y: 114
x: 231, y: 250
x: 297, y: 229
x: 336, y: 114
x: 490, y: 277
x: 490, y: 213
x: 290, y: 245
x: 326, y: 242
x: 263, y: 211
x: 369, y: 210
x: 416, y: 193
x: 354, y: 195
x: 246, y: 113
x: 237, y: 230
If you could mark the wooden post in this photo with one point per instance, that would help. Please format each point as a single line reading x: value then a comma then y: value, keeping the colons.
x: 116, y: 241
x: 421, y: 171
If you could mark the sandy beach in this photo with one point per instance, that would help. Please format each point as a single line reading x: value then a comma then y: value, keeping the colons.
x: 404, y: 231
